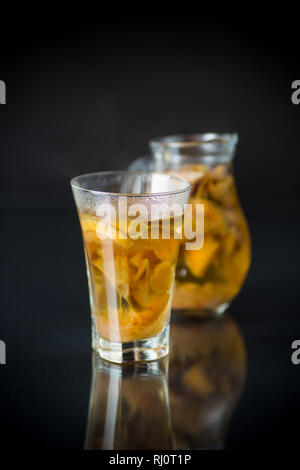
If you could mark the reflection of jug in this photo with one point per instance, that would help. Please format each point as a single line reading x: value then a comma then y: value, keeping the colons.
x: 207, y: 370
x: 209, y: 278
x: 129, y: 406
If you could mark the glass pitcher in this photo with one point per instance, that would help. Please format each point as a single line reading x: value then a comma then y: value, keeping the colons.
x: 207, y: 279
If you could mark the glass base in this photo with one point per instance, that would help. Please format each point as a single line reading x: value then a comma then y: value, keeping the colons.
x: 148, y: 349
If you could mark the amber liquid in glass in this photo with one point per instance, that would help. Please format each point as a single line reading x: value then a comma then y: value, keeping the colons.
x: 130, y: 280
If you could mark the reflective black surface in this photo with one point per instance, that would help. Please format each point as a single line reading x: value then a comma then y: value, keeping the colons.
x: 184, y: 401
x: 207, y: 371
x: 45, y: 385
x: 129, y: 407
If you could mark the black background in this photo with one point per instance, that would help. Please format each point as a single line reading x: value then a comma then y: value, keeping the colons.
x: 88, y: 95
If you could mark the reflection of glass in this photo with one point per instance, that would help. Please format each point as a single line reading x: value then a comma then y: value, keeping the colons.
x: 131, y: 265
x: 207, y: 372
x: 209, y: 278
x: 129, y: 407
x: 138, y: 407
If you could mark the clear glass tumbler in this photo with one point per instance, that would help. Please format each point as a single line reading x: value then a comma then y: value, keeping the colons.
x: 130, y: 233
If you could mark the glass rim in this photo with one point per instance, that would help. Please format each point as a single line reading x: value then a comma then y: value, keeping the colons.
x: 137, y: 173
x: 196, y: 139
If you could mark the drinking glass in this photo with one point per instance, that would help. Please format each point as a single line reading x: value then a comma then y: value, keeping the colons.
x: 130, y: 232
